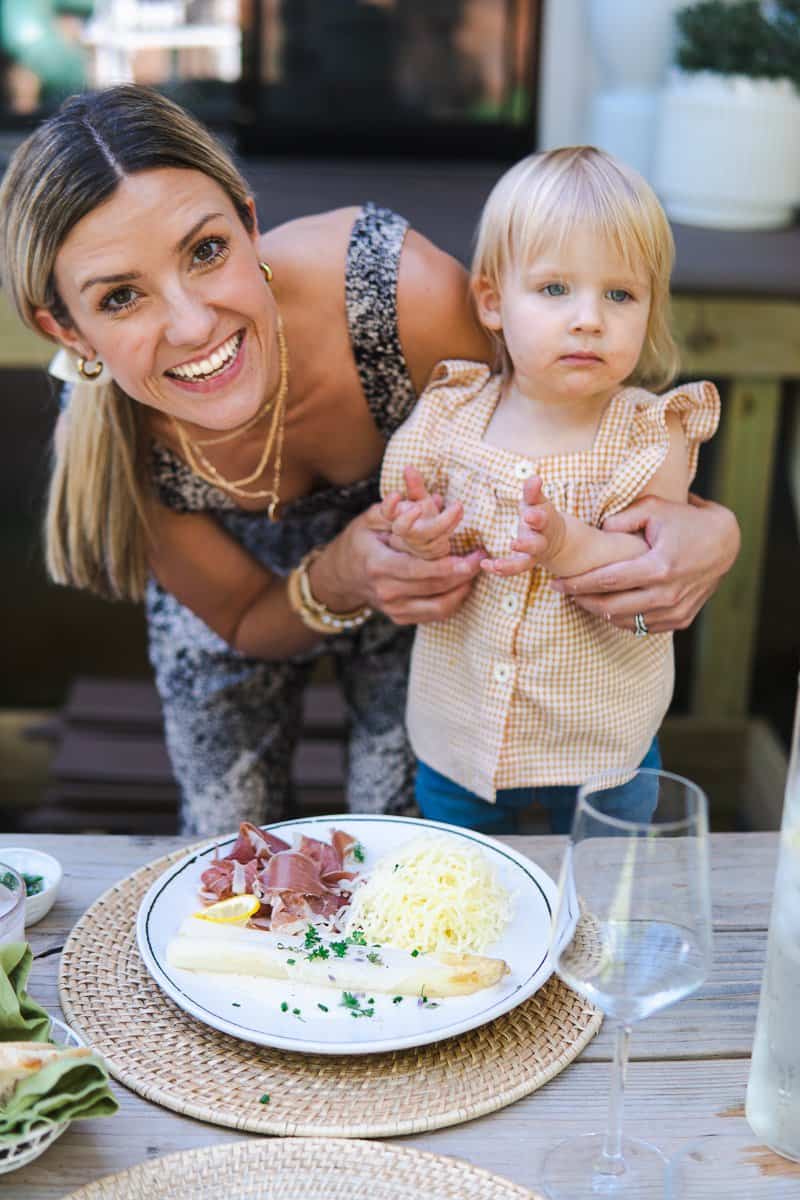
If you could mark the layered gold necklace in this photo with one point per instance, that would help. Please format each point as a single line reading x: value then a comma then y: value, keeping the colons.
x: 202, y: 466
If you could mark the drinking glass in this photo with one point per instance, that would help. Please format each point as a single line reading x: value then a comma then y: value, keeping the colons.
x: 643, y: 942
x: 12, y: 905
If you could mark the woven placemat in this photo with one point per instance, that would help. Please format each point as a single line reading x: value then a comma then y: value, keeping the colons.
x: 168, y: 1057
x: 304, y: 1169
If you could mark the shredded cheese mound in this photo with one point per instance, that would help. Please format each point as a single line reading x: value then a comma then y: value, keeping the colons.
x: 432, y: 894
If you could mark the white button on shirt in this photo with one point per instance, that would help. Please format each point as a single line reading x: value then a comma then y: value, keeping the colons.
x: 510, y: 604
x: 524, y: 468
x: 502, y: 673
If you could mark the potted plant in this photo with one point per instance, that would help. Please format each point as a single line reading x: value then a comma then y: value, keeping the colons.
x: 728, y: 149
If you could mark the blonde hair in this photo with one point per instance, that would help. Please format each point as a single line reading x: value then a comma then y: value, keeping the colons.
x: 95, y: 525
x: 545, y: 197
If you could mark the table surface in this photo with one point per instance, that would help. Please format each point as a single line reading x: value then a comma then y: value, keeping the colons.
x: 687, y: 1073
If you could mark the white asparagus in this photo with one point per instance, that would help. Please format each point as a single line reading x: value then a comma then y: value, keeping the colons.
x: 206, y: 946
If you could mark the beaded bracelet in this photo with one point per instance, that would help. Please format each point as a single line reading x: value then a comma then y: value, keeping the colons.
x: 311, y: 612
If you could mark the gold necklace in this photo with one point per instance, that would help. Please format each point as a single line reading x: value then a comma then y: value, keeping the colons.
x: 240, y: 429
x: 201, y: 465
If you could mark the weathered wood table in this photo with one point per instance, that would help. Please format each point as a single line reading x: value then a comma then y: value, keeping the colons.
x: 687, y: 1074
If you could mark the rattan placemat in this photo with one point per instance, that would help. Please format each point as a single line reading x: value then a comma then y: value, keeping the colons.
x: 304, y: 1169
x: 168, y: 1057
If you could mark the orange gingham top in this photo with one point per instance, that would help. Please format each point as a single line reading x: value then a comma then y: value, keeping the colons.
x: 521, y: 687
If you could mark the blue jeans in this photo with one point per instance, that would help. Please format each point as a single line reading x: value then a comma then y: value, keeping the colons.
x: 440, y: 799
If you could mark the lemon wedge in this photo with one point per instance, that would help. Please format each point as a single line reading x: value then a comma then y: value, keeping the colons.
x: 233, y: 911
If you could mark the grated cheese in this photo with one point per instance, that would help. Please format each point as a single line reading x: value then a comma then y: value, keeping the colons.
x: 433, y: 894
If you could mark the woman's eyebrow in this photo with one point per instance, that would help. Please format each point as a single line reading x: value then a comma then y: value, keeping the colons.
x: 124, y: 277
x: 127, y: 276
x: 198, y: 225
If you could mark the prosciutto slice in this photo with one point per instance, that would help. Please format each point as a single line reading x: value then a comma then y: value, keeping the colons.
x: 253, y: 842
x: 293, y: 885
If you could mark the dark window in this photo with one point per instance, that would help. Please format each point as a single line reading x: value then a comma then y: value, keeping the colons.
x: 449, y: 78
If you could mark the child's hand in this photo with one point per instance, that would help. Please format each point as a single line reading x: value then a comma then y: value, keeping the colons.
x: 421, y: 523
x: 541, y: 534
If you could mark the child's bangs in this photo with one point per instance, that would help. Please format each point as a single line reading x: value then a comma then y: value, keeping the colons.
x: 583, y: 198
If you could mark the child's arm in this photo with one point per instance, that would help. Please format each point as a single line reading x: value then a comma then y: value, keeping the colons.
x: 565, y: 545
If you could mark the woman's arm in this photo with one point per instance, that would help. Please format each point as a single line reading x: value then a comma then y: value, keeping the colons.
x: 248, y: 606
x: 690, y: 547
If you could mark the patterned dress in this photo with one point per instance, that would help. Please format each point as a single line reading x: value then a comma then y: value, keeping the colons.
x: 232, y: 721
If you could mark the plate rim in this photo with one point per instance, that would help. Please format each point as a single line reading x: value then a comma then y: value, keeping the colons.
x: 533, y: 982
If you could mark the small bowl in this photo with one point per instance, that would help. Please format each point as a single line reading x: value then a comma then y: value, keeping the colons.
x: 35, y: 862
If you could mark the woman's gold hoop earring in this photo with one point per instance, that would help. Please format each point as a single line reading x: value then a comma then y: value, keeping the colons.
x: 89, y: 372
x: 267, y: 269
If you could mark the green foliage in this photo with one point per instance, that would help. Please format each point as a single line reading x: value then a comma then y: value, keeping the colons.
x: 742, y: 37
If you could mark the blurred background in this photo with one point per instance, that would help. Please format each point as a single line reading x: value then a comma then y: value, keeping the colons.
x: 420, y: 105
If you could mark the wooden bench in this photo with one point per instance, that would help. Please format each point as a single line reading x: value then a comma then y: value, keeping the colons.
x: 109, y: 770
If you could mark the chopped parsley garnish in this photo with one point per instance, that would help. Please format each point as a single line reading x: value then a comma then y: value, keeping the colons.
x: 33, y: 884
x: 318, y: 952
x: 290, y: 962
x: 397, y: 1000
x: 235, y: 1004
x: 424, y: 1002
x: 339, y: 949
x: 414, y: 953
x: 8, y: 880
x: 357, y: 938
x: 324, y: 1007
x: 284, y: 1006
x: 264, y: 1099
x: 375, y: 958
x: 354, y: 1007
x: 357, y: 852
x: 296, y: 1012
x: 312, y: 937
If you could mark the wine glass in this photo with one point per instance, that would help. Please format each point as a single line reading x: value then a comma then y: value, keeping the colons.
x: 12, y: 905
x: 643, y: 942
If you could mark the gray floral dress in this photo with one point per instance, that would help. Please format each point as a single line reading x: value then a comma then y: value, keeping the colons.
x: 232, y: 721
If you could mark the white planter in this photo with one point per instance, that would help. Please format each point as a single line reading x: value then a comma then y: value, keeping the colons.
x: 728, y: 151
x: 632, y: 43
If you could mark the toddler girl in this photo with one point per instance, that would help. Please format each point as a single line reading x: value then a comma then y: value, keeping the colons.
x: 521, y: 695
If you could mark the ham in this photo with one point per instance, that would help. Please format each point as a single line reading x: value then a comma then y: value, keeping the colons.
x: 253, y: 842
x: 291, y: 871
x: 293, y: 885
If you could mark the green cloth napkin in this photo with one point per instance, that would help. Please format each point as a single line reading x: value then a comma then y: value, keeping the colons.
x: 21, y: 1019
x: 60, y: 1091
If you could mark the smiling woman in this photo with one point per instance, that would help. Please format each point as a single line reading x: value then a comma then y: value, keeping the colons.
x: 232, y: 394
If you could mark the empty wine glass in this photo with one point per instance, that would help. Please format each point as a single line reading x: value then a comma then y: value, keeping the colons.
x: 643, y: 942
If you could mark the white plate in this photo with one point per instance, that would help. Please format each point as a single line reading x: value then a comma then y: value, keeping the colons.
x: 250, y: 1008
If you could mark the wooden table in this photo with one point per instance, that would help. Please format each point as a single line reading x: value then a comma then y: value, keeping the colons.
x: 688, y: 1066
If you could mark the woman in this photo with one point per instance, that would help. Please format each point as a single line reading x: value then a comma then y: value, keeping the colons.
x: 234, y: 392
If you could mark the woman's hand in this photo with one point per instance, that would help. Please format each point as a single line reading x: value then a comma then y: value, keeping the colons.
x: 691, y: 547
x: 360, y: 567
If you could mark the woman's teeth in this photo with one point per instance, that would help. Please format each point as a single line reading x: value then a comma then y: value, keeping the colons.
x: 207, y: 368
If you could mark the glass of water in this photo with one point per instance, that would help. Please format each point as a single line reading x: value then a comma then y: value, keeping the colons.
x: 644, y: 942
x: 12, y: 905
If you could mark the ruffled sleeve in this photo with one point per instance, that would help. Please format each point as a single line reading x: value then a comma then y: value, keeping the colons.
x: 697, y: 406
x: 420, y: 440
